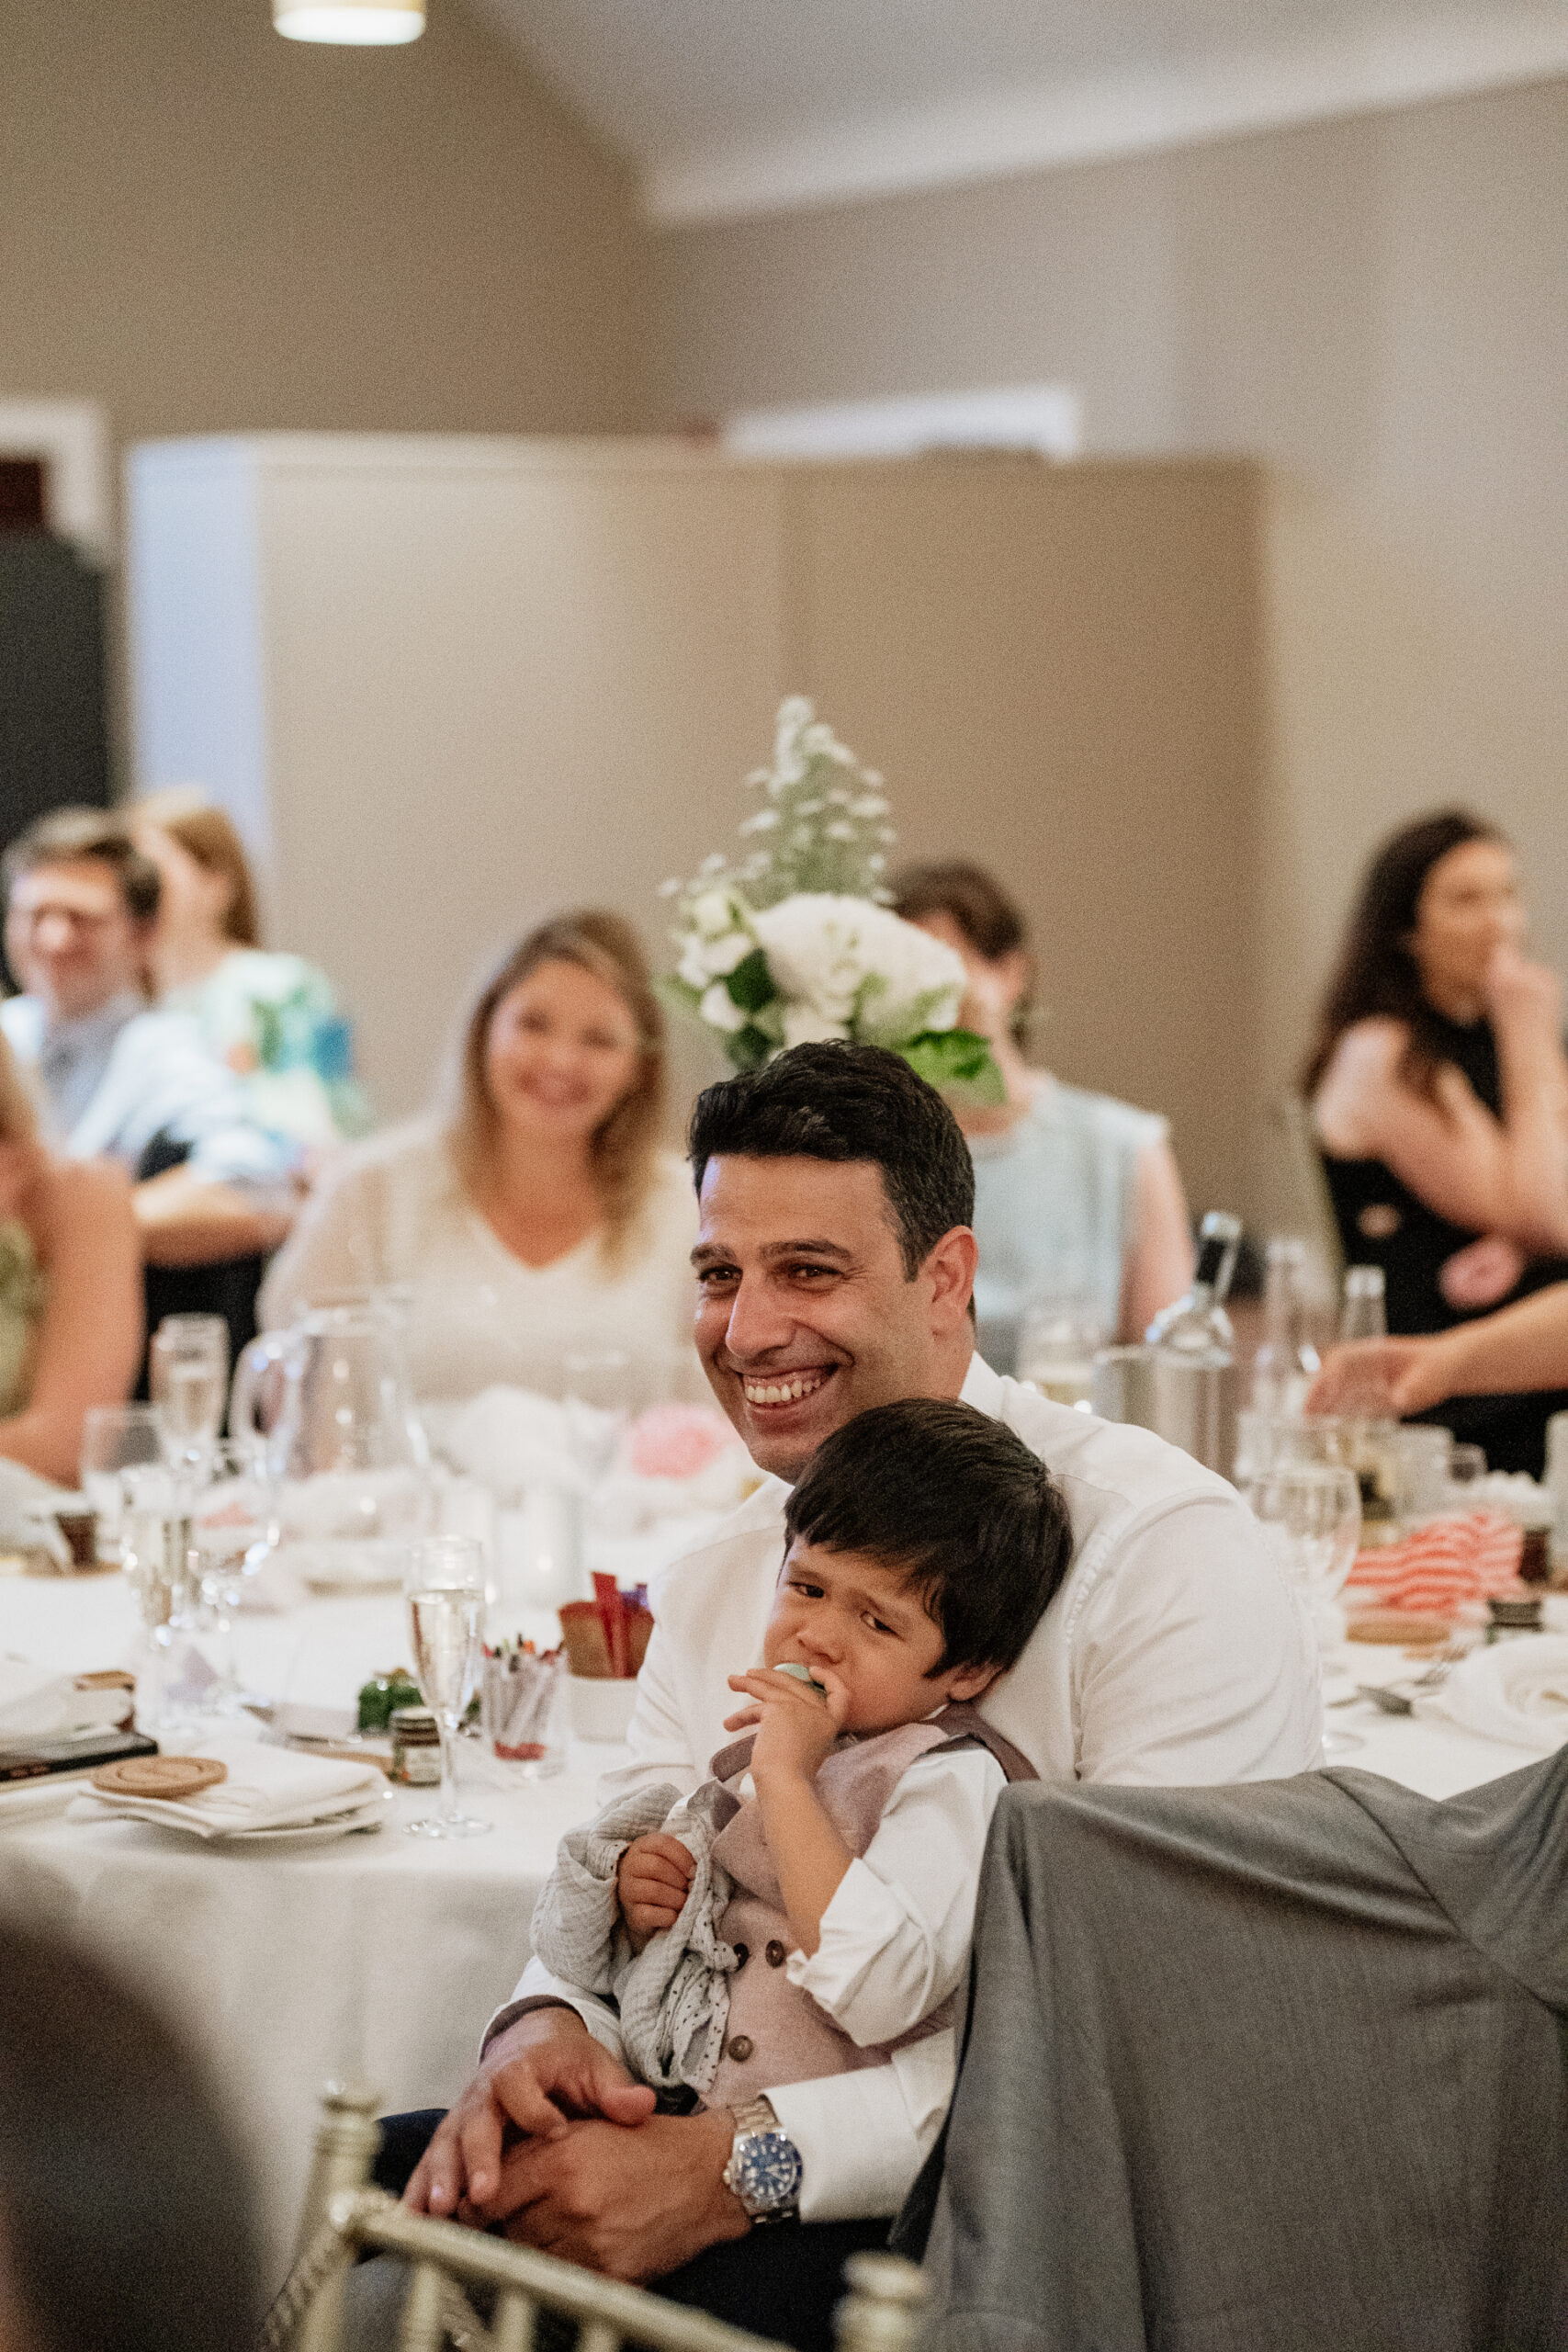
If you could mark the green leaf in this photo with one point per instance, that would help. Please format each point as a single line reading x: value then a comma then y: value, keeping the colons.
x: 749, y: 1049
x: 957, y: 1061
x: 750, y: 985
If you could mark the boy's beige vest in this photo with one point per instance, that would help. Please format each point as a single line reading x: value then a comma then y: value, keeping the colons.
x: 776, y: 2033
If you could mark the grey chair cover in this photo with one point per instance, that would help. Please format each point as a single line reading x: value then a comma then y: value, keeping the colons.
x: 1275, y: 2068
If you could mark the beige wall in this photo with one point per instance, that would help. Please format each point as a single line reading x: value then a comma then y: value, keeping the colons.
x: 207, y: 228
x: 1379, y: 310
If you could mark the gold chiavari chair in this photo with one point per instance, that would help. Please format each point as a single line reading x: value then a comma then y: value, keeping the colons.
x: 344, y: 2217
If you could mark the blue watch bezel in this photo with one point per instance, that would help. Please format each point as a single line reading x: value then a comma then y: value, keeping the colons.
x: 766, y: 2169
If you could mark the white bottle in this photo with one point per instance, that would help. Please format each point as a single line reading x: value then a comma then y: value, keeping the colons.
x: 1198, y: 1323
x: 1362, y: 1315
x: 1286, y: 1363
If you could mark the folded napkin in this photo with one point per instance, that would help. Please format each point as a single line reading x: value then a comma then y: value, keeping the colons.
x: 268, y: 1788
x: 37, y: 1704
x: 28, y: 1505
x: 511, y: 1438
x: 1516, y: 1690
x: 1441, y: 1565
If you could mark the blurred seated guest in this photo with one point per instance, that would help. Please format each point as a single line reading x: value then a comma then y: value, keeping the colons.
x: 1076, y: 1195
x: 270, y: 1017
x: 1439, y: 1091
x: 540, y: 1217
x: 211, y: 1190
x: 70, y: 1290
x: 125, y: 2209
x: 1519, y: 1350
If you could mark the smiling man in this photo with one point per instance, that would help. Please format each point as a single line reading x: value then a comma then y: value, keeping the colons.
x: 835, y: 1264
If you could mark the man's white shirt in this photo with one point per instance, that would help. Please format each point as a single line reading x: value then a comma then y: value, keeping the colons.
x: 1174, y: 1655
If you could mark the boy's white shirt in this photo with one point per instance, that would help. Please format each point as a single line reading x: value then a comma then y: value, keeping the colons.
x: 1175, y: 1655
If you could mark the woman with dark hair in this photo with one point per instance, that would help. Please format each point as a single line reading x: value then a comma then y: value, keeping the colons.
x: 1077, y: 1196
x: 539, y: 1215
x: 1438, y: 1090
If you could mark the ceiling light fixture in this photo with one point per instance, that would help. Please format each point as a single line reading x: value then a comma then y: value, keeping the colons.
x: 360, y: 23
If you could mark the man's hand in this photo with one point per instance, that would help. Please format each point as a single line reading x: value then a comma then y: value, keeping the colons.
x: 652, y: 1884
x: 798, y: 1725
x: 632, y: 2204
x: 542, y: 2071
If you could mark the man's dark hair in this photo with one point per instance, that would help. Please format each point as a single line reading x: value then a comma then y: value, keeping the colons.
x: 847, y: 1102
x: 66, y: 834
x: 952, y: 1498
x: 125, y: 2205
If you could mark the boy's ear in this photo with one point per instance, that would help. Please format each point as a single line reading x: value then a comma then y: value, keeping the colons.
x: 967, y: 1682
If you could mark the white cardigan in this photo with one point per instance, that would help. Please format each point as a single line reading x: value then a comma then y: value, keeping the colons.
x: 395, y: 1212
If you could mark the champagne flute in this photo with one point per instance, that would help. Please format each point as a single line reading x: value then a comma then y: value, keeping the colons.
x: 188, y: 1375
x: 233, y: 1533
x: 446, y: 1594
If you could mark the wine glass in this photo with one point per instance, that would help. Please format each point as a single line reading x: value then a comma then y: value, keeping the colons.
x: 233, y: 1533
x: 188, y: 1375
x: 115, y: 1438
x: 1311, y: 1514
x: 446, y: 1594
x: 157, y: 1559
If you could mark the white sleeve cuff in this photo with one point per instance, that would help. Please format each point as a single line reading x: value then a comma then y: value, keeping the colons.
x: 537, y: 1983
x: 863, y: 2136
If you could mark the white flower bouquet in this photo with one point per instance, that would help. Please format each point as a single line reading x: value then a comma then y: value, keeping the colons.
x: 795, y: 941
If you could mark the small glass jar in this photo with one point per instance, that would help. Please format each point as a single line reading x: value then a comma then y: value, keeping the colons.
x: 416, y: 1748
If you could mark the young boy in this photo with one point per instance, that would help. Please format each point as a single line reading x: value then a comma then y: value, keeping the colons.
x: 808, y: 1909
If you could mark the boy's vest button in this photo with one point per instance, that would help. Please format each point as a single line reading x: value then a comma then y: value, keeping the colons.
x: 775, y: 1954
x: 742, y: 1954
x: 741, y: 2048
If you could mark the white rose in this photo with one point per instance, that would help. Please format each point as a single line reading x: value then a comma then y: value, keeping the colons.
x: 720, y: 1010
x: 821, y: 950
x: 693, y: 965
x: 712, y: 913
x: 721, y: 956
x: 804, y: 1026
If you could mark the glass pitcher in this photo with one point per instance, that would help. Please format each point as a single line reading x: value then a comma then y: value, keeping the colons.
x: 328, y: 1404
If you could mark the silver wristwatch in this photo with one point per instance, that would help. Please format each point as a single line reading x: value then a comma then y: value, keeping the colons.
x: 764, y: 2166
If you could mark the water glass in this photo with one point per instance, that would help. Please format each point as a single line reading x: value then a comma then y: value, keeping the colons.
x: 115, y: 1438
x: 188, y: 1375
x: 446, y: 1595
x: 1058, y: 1336
x: 524, y: 1702
x: 1312, y: 1515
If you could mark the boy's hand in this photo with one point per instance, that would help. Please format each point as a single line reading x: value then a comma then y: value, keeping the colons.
x: 797, y: 1724
x: 652, y: 1883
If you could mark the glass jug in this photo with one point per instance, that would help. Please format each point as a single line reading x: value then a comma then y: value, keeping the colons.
x: 328, y: 1404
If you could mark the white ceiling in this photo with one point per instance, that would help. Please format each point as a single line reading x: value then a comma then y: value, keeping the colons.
x: 732, y: 106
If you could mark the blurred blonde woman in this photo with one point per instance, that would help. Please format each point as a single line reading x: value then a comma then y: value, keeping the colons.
x: 540, y: 1217
x: 270, y: 1016
x: 70, y: 1325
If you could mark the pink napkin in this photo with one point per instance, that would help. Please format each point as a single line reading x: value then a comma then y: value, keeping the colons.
x: 1442, y: 1565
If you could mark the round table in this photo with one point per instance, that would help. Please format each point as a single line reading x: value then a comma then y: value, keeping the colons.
x: 378, y: 1957
x: 381, y: 1957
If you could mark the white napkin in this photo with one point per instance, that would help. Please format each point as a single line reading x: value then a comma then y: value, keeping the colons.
x: 511, y: 1438
x: 1516, y: 1690
x: 37, y: 1704
x: 28, y: 1505
x: 268, y: 1788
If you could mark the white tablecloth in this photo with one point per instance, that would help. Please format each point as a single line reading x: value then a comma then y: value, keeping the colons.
x: 375, y: 1957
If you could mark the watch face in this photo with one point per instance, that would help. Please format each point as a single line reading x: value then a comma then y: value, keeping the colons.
x: 767, y: 2171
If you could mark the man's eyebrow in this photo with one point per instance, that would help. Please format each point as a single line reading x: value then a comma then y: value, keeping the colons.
x: 707, y: 1253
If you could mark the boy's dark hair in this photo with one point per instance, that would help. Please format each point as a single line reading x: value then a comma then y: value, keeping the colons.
x: 847, y: 1102
x: 959, y: 1504
x: 66, y: 834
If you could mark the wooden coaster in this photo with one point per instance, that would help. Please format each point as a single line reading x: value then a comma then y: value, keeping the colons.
x: 1397, y: 1625
x: 160, y: 1776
